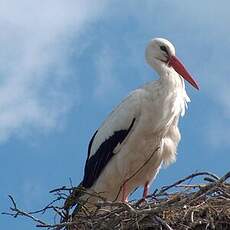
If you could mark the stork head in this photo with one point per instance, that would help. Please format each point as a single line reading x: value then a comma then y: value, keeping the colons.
x: 160, y: 54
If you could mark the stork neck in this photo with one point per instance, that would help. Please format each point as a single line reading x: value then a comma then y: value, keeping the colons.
x: 168, y: 76
x: 170, y: 79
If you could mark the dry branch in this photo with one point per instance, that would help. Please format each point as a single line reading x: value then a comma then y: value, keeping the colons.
x: 182, y: 205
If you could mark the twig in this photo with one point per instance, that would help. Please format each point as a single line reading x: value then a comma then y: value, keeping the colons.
x: 16, y: 212
x: 164, y: 189
x: 166, y: 209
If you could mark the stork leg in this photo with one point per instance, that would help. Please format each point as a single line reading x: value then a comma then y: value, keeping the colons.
x: 146, y: 190
x: 124, y: 193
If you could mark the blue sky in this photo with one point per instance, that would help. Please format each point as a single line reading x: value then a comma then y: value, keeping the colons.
x: 63, y: 67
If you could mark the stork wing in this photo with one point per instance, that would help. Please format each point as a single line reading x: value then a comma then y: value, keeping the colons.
x: 108, y: 139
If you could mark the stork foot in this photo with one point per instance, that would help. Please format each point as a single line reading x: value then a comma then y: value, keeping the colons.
x: 142, y: 203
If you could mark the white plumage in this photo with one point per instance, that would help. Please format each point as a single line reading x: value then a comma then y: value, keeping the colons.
x: 142, y: 132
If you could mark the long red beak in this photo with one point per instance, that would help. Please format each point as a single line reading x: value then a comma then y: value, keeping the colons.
x: 180, y: 69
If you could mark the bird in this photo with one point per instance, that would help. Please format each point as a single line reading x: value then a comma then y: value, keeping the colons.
x: 141, y: 134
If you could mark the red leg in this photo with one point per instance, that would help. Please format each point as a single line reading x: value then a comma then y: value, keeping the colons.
x: 146, y: 190
x: 124, y: 194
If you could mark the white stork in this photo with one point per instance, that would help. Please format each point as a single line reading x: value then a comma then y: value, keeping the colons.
x: 141, y: 134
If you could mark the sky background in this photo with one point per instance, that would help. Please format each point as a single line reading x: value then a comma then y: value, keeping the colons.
x: 64, y: 65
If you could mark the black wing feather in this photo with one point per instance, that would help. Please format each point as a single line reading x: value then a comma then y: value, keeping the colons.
x: 97, y: 162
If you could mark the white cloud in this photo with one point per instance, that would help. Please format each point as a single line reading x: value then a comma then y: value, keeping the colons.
x: 202, y: 39
x: 107, y: 79
x: 34, y: 71
x: 36, y: 40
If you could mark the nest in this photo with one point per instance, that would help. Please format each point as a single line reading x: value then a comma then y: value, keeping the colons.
x: 194, y: 206
x: 182, y: 205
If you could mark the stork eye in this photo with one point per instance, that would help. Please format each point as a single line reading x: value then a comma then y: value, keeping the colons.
x: 163, y: 48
